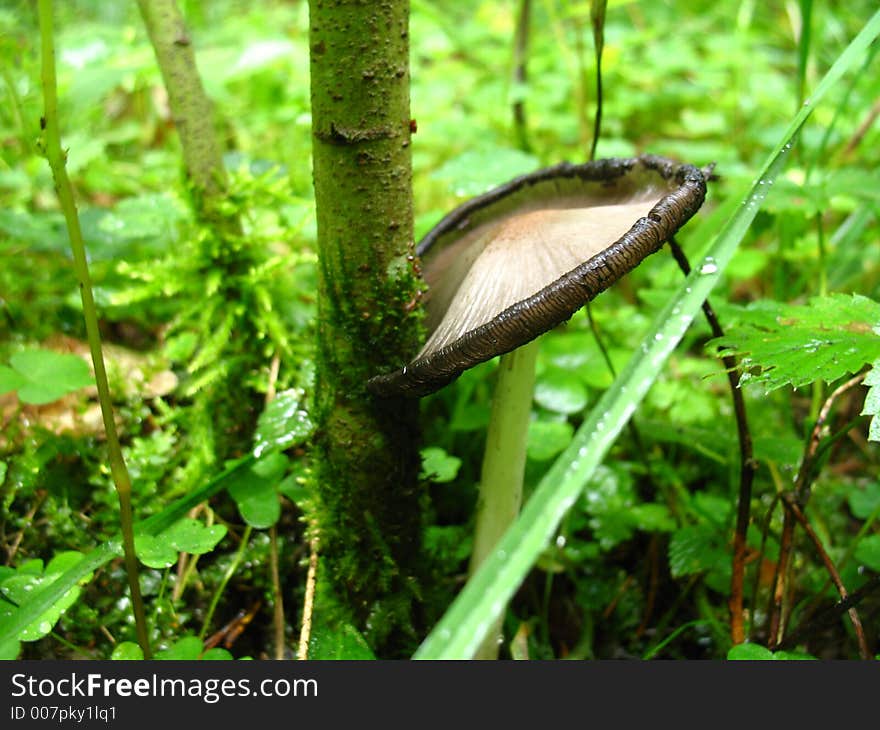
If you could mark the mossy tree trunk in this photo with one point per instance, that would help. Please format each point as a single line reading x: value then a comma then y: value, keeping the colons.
x: 369, y: 519
x: 190, y: 106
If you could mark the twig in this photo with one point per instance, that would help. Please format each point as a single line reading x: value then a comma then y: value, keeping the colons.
x: 118, y: 469
x: 830, y: 615
x: 277, y: 597
x: 309, y: 600
x: 747, y: 464
x: 806, y: 473
x: 801, y: 493
x: 798, y: 514
x: 860, y: 133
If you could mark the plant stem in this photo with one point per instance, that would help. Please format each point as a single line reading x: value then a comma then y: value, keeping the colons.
x: 520, y: 74
x: 597, y: 17
x: 230, y: 571
x: 503, y: 462
x: 57, y: 159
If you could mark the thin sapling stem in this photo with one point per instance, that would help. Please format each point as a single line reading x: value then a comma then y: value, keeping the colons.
x: 57, y: 160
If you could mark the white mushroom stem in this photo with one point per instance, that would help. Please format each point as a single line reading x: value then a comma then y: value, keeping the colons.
x: 504, y: 460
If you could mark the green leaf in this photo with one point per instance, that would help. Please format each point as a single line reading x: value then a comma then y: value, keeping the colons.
x: 864, y: 501
x: 798, y: 344
x: 217, y: 654
x: 154, y: 552
x: 756, y: 652
x: 186, y: 536
x: 476, y: 171
x: 127, y: 651
x: 695, y: 548
x: 868, y: 552
x: 438, y: 466
x: 255, y: 491
x: 10, y: 648
x: 283, y: 423
x: 188, y: 648
x: 547, y: 438
x: 191, y: 536
x: 11, y: 380
x: 652, y: 517
x: 560, y: 391
x: 749, y: 652
x: 42, y: 376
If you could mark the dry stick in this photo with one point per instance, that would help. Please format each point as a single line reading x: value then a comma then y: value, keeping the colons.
x: 118, y: 470
x: 791, y: 504
x: 801, y: 492
x: 747, y: 465
x: 520, y: 73
x: 309, y: 600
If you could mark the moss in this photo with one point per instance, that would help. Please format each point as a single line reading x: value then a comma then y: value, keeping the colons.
x: 369, y: 514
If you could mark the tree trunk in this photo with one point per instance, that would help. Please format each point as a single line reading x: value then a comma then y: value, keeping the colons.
x: 191, y: 108
x: 369, y: 516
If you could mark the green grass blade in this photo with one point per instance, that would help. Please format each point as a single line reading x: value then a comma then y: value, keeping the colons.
x: 44, y: 598
x: 465, y: 624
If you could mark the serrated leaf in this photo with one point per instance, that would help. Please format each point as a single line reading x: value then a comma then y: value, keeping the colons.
x: 652, y: 517
x: 42, y: 376
x: 872, y: 401
x: 283, y: 423
x: 796, y: 345
x: 694, y: 549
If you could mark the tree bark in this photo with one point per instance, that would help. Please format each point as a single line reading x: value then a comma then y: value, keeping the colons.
x: 369, y: 515
x: 190, y: 106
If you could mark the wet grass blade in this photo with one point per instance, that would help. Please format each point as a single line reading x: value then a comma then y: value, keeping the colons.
x: 467, y: 621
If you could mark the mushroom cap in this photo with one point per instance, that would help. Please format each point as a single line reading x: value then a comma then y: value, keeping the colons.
x: 509, y: 265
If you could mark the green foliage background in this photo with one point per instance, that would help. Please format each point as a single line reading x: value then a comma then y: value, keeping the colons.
x: 644, y: 555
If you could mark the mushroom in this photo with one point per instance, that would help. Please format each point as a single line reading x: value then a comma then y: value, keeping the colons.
x: 509, y: 265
